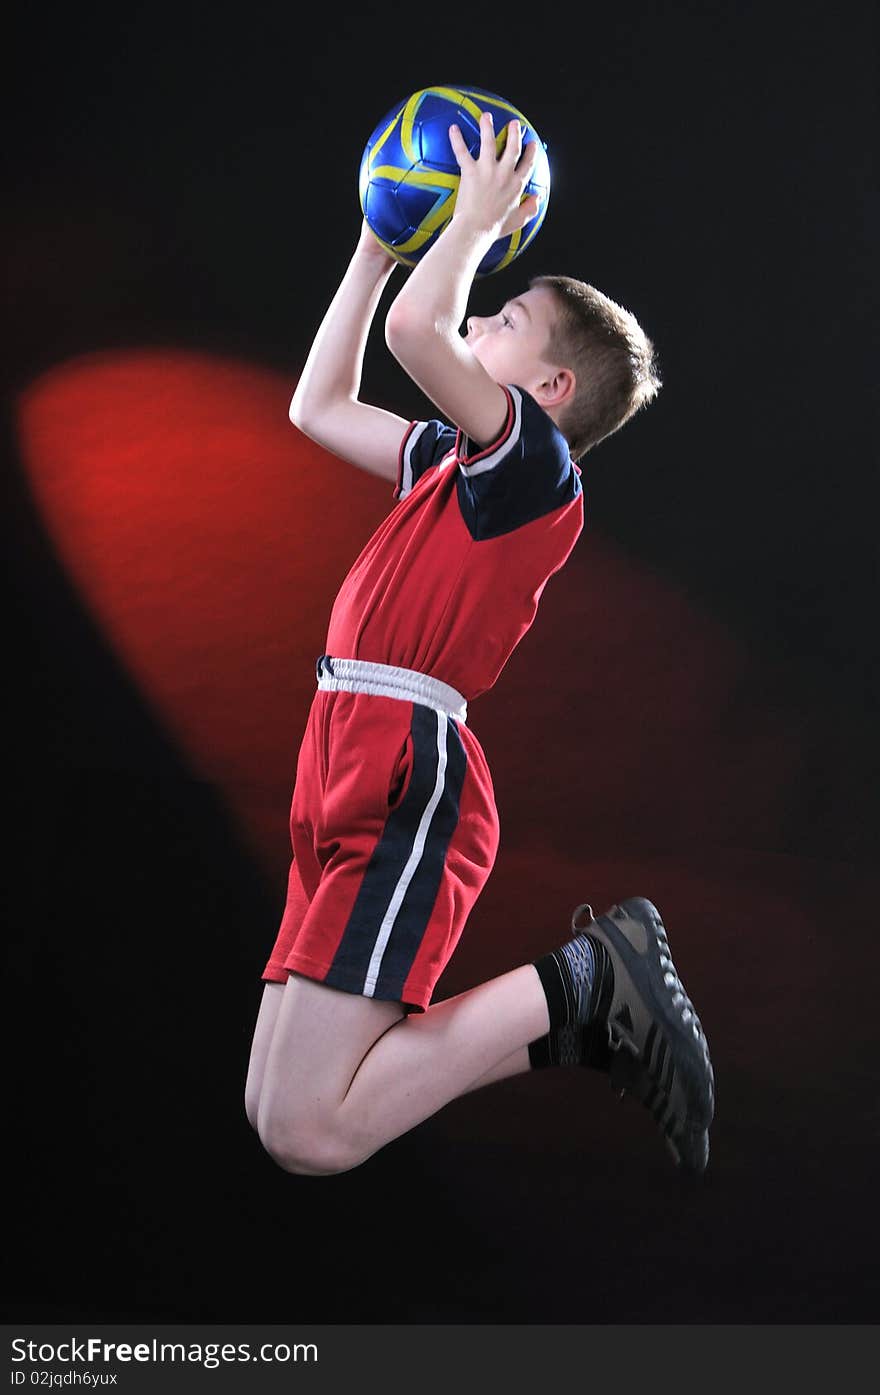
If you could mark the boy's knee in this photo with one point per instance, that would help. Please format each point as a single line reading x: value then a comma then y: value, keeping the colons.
x: 251, y: 1107
x: 309, y: 1153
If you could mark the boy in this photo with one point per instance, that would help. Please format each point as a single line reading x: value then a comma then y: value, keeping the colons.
x: 393, y: 821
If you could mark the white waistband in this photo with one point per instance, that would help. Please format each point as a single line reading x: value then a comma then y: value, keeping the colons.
x: 384, y: 680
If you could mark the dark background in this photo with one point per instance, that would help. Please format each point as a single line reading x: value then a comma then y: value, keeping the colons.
x: 692, y: 718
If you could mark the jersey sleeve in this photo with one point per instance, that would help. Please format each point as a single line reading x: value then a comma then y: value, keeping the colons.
x: 424, y: 445
x: 526, y: 473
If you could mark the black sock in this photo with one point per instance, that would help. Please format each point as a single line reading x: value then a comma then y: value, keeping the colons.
x: 577, y: 980
x: 560, y: 1047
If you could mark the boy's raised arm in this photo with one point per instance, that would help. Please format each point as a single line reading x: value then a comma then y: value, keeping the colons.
x: 326, y: 405
x: 422, y: 325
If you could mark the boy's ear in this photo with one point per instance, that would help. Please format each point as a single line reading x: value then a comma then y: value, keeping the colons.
x: 556, y: 389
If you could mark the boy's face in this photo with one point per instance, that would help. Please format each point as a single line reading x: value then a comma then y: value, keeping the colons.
x: 511, y: 344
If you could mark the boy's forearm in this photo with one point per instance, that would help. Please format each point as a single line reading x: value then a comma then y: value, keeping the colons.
x: 436, y: 292
x: 335, y: 363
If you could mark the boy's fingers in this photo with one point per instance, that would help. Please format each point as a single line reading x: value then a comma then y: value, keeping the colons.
x: 487, y: 136
x: 514, y: 141
x: 459, y: 149
x: 529, y: 156
x: 522, y: 214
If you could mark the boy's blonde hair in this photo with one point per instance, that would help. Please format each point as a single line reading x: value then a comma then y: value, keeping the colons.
x: 612, y: 358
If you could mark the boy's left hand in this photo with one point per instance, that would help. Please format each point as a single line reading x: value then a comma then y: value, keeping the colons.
x: 370, y: 249
x: 491, y: 186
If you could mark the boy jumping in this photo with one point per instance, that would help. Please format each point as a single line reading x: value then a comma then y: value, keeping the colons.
x: 393, y: 823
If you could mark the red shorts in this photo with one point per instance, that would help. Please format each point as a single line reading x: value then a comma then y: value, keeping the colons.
x: 394, y: 832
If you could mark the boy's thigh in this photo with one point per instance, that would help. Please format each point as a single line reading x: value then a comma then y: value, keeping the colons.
x: 262, y: 1039
x: 320, y: 1036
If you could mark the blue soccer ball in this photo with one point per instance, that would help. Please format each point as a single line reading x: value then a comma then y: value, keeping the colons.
x: 409, y: 175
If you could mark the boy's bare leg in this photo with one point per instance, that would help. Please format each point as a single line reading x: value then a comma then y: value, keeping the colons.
x: 345, y: 1074
x: 262, y: 1040
x: 517, y: 1063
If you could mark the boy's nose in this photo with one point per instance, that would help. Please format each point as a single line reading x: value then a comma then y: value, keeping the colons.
x: 473, y: 324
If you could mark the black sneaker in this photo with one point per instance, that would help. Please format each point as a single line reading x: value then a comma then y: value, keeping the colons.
x: 646, y: 1034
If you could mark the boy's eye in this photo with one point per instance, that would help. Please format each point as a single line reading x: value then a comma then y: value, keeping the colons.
x: 506, y: 320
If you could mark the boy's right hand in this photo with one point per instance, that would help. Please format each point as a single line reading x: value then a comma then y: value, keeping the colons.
x: 490, y: 190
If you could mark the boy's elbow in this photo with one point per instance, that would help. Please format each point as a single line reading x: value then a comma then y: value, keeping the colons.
x: 295, y: 410
x: 306, y: 424
x: 406, y: 329
x: 301, y: 414
x: 396, y: 322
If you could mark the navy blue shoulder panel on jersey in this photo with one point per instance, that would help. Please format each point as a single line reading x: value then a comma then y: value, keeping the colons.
x: 423, y: 446
x: 526, y: 473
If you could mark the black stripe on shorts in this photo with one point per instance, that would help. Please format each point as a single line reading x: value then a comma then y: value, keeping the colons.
x: 400, y: 886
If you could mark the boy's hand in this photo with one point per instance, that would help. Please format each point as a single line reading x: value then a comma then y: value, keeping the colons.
x: 491, y: 186
x: 370, y: 249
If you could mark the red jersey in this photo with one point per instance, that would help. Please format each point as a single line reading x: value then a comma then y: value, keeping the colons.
x: 450, y: 581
